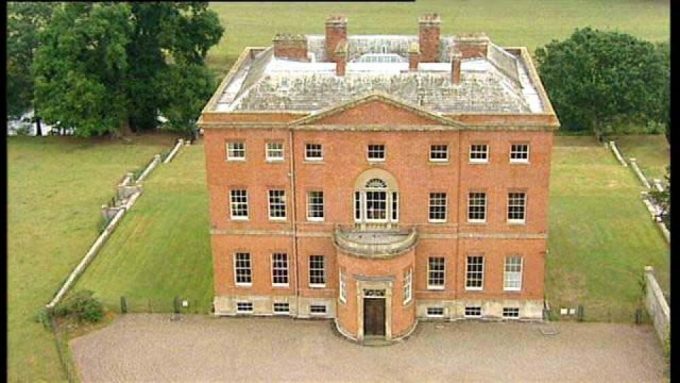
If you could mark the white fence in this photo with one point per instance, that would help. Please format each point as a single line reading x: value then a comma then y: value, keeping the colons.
x: 656, y: 304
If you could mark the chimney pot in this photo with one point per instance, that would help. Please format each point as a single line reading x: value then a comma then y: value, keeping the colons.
x: 455, y: 67
x: 428, y: 37
x: 290, y: 47
x: 336, y: 31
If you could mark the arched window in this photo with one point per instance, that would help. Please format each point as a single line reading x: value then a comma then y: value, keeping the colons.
x: 376, y: 202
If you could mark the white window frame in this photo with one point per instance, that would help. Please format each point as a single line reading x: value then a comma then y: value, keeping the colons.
x: 468, y: 273
x: 307, y: 150
x: 474, y: 148
x: 430, y: 274
x: 429, y: 315
x: 233, y: 204
x: 510, y: 316
x: 394, y: 216
x: 310, y: 204
x: 276, y: 266
x: 387, y: 205
x: 357, y: 204
x: 269, y: 150
x: 232, y: 150
x: 323, y: 271
x: 512, y: 277
x: 519, y: 160
x: 376, y: 159
x: 239, y: 311
x: 486, y: 207
x: 275, y: 312
x: 237, y: 268
x: 324, y: 305
x: 430, y: 206
x: 466, y: 315
x: 408, y: 286
x: 276, y: 204
x: 342, y: 295
x: 512, y: 203
x: 437, y: 148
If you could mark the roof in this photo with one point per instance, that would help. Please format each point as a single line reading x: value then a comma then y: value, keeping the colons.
x: 497, y: 83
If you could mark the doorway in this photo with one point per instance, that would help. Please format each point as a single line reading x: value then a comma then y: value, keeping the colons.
x: 374, y: 316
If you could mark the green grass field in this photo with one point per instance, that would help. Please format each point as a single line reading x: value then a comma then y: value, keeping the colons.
x: 601, y: 236
x: 162, y: 247
x: 56, y: 186
x: 651, y: 151
x: 508, y: 23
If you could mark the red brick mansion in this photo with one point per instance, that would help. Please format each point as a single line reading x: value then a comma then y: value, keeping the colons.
x: 379, y: 180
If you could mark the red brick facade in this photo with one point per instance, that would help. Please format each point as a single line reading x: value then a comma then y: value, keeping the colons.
x: 407, y: 133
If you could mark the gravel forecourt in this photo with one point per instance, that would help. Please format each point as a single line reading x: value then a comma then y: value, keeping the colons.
x: 195, y: 348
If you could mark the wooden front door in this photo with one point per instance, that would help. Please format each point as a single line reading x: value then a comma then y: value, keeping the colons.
x: 374, y: 316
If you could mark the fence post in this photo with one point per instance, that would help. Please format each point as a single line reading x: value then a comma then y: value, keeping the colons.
x: 123, y: 305
x: 579, y: 313
x: 176, y: 305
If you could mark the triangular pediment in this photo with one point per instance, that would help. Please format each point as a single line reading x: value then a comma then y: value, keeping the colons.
x: 375, y: 109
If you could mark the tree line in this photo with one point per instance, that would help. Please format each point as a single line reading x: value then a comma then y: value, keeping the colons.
x: 607, y: 82
x: 110, y: 68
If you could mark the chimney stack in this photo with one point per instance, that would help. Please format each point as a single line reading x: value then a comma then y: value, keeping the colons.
x: 455, y: 67
x: 290, y: 47
x: 336, y: 31
x: 413, y: 57
x: 472, y: 45
x: 428, y: 37
x: 341, y: 58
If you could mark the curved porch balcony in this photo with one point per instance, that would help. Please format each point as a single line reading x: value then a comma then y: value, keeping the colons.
x: 374, y: 243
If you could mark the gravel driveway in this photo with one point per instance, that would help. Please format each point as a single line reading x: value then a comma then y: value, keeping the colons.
x: 201, y: 348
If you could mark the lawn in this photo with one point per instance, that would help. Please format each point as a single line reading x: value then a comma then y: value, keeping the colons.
x: 508, y: 23
x: 162, y: 247
x: 651, y: 151
x: 56, y: 187
x: 601, y: 235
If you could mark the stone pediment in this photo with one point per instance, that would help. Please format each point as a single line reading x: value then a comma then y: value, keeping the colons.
x: 375, y: 109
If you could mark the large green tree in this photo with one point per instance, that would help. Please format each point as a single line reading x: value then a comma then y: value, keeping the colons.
x: 80, y: 68
x: 24, y: 22
x: 599, y: 80
x: 106, y: 67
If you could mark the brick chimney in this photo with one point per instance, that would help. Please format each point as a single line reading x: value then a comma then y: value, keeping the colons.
x: 472, y: 45
x: 341, y: 58
x: 413, y: 57
x: 336, y: 31
x: 455, y: 67
x: 428, y: 37
x: 290, y: 47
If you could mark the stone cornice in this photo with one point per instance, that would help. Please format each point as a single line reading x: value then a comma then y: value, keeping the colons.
x: 422, y: 235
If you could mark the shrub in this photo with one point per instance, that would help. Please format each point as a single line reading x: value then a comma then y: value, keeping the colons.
x: 43, y: 316
x: 82, y: 306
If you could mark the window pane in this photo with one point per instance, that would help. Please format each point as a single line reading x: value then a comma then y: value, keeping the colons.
x: 274, y: 151
x: 516, y: 206
x: 519, y: 153
x: 317, y: 275
x: 439, y: 152
x: 239, y: 203
x: 376, y: 205
x: 376, y: 151
x: 436, y: 272
x: 479, y: 153
x: 313, y: 152
x: 438, y: 206
x: 280, y: 268
x: 236, y: 150
x: 512, y: 277
x: 315, y: 205
x: 477, y: 207
x: 474, y: 276
x: 277, y: 204
x: 242, y: 268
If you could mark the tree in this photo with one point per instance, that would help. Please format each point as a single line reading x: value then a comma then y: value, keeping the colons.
x: 168, y: 39
x: 81, y: 65
x: 597, y: 80
x: 106, y: 66
x: 24, y: 22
